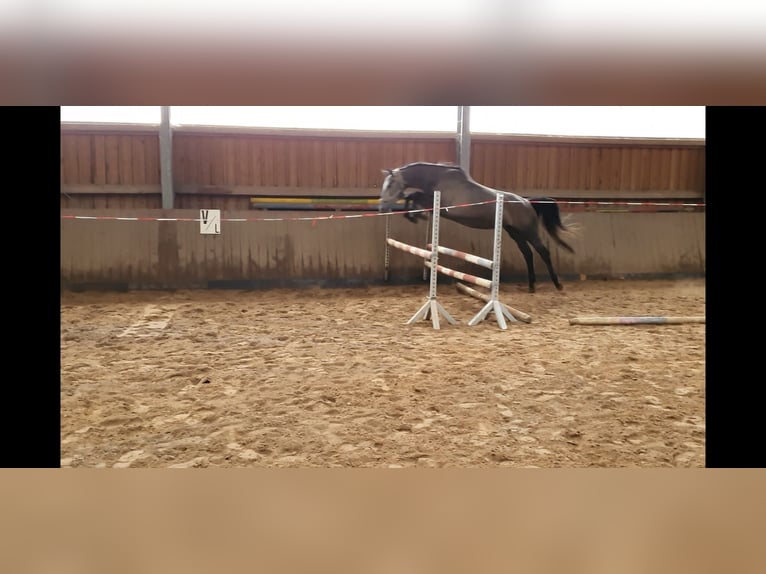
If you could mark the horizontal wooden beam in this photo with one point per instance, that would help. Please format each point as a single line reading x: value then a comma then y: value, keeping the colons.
x: 239, y: 190
x: 114, y: 189
x: 271, y: 191
x: 588, y: 140
x: 110, y: 128
x: 623, y: 195
x: 116, y: 128
x: 261, y: 199
x: 297, y: 133
x: 367, y: 192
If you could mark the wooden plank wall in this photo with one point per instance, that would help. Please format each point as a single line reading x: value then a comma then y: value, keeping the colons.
x: 130, y: 158
x: 107, y: 169
x: 568, y: 170
x: 220, y: 170
x: 237, y: 164
x: 308, y: 162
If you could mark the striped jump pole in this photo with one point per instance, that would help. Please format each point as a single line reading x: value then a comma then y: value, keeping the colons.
x: 460, y: 275
x: 432, y: 306
x: 425, y: 253
x: 635, y: 320
x: 475, y: 259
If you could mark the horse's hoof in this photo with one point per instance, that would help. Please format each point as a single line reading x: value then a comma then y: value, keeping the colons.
x: 531, y: 289
x: 559, y: 287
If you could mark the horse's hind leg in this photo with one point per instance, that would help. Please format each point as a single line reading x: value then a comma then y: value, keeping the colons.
x: 546, y: 255
x: 527, y: 253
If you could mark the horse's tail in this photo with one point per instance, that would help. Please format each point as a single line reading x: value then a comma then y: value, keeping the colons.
x: 548, y: 210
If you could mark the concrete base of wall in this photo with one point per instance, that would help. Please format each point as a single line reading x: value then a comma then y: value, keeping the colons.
x: 243, y: 285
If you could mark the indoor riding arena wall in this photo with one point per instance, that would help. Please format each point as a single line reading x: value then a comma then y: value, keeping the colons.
x: 113, y: 171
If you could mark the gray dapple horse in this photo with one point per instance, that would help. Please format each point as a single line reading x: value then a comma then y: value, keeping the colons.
x: 520, y: 216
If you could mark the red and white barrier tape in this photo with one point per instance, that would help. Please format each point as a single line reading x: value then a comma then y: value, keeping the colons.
x: 376, y: 214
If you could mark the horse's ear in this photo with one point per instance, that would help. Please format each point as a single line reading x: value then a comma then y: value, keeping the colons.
x: 388, y: 171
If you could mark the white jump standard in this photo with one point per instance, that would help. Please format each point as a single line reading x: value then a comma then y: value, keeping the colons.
x: 494, y: 304
x: 432, y: 306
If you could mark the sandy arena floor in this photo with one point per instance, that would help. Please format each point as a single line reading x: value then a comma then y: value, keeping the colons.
x: 335, y: 378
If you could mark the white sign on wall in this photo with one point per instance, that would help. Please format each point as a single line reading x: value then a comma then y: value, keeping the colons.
x: 210, y: 221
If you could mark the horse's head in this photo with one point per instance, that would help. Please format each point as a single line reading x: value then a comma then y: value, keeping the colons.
x: 392, y: 189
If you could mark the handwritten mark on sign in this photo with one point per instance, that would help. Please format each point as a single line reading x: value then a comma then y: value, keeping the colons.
x: 210, y: 221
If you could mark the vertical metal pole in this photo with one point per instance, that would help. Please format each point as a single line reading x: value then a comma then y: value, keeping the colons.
x: 464, y: 138
x: 497, y: 248
x: 428, y: 234
x: 493, y: 304
x: 166, y: 159
x: 432, y: 306
x: 435, y: 242
x: 388, y: 228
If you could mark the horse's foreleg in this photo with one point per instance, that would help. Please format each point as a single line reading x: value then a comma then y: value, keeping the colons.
x: 408, y: 204
x: 546, y: 255
x: 527, y: 253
